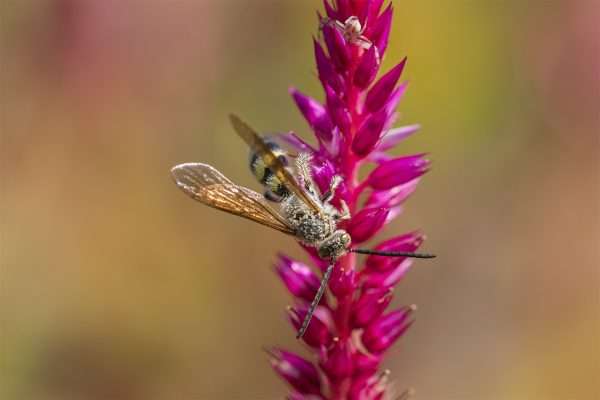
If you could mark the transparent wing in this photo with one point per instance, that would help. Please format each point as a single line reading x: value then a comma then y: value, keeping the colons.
x: 258, y: 145
x: 207, y: 185
x: 198, y: 174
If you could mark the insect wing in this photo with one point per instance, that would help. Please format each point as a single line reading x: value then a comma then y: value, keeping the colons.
x: 272, y: 162
x: 198, y: 175
x: 207, y: 185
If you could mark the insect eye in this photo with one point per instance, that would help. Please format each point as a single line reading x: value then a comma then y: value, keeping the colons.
x: 346, y: 238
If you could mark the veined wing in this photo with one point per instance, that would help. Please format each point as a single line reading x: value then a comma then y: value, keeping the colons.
x: 207, y: 185
x: 272, y: 162
x: 198, y: 174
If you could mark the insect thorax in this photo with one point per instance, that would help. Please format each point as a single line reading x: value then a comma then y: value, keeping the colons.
x: 311, y: 228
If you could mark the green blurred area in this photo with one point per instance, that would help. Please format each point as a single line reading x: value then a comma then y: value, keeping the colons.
x: 116, y: 286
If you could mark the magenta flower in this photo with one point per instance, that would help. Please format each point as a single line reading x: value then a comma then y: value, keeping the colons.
x: 351, y: 329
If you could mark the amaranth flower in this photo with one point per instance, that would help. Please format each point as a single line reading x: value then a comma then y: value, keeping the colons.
x: 353, y: 126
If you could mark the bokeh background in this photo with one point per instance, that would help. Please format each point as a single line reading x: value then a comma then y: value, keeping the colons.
x: 114, y: 285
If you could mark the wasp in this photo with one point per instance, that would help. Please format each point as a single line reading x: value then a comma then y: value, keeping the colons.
x: 303, y: 213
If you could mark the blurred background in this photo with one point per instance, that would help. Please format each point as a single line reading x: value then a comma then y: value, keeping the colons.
x: 114, y: 285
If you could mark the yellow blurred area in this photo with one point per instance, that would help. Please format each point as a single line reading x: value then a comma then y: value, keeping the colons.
x: 114, y: 285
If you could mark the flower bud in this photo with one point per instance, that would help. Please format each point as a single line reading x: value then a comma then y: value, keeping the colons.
x: 376, y: 390
x: 296, y: 142
x: 338, y: 365
x: 395, y: 136
x: 397, y: 171
x: 331, y: 13
x: 367, y: 69
x: 315, y: 114
x: 333, y: 147
x: 381, y: 334
x: 381, y: 31
x: 369, y: 387
x: 377, y: 279
x: 327, y: 74
x: 337, y: 110
x: 300, y: 280
x: 344, y: 9
x: 374, y: 9
x: 298, y: 372
x: 392, y: 103
x: 317, y: 334
x: 366, y: 364
x: 336, y: 45
x: 393, y: 214
x: 370, y: 306
x: 392, y: 197
x: 409, y: 242
x: 342, y: 282
x: 366, y: 223
x: 322, y: 173
x: 381, y: 91
x: 369, y: 133
x: 358, y: 389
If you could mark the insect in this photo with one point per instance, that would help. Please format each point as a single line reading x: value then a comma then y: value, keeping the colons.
x: 304, y: 213
x: 351, y: 29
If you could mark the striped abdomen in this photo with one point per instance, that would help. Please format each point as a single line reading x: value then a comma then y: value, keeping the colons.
x: 274, y: 189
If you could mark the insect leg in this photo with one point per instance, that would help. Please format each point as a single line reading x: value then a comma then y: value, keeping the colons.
x: 303, y: 167
x: 328, y: 195
x: 363, y: 42
x: 315, y: 302
x: 345, y: 214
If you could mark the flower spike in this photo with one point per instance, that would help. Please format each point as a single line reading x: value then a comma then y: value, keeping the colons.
x: 342, y: 317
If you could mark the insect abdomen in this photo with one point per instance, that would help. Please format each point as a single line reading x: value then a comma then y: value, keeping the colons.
x: 274, y: 189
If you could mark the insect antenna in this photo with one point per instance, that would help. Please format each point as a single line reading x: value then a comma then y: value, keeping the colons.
x: 392, y: 253
x: 315, y: 302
